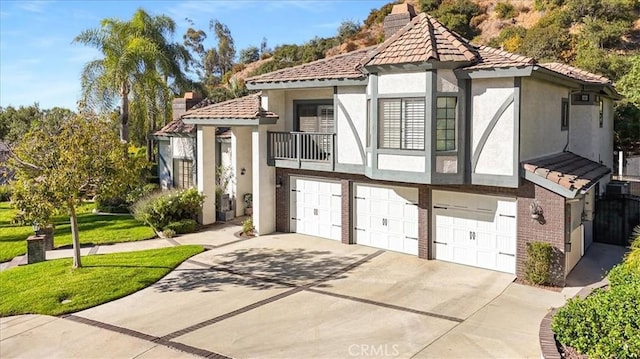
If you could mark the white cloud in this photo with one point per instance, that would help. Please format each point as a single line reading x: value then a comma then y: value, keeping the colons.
x: 33, y: 6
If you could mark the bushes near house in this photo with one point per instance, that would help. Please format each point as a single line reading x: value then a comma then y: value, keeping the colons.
x: 181, y: 227
x: 538, y: 264
x: 606, y: 324
x: 158, y: 210
x: 247, y: 227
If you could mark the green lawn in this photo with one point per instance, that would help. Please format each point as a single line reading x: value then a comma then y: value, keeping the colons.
x: 43, y: 287
x: 94, y: 228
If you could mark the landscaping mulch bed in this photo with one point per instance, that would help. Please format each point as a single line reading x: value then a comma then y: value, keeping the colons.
x: 547, y: 287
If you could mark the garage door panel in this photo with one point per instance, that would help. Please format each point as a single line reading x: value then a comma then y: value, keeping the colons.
x: 483, y: 235
x: 386, y: 218
x: 315, y: 207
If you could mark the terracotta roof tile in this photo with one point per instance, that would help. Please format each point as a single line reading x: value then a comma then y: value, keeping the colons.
x: 332, y: 68
x: 175, y: 127
x: 424, y: 38
x: 576, y: 73
x: 490, y: 58
x: 247, y: 107
x: 567, y: 169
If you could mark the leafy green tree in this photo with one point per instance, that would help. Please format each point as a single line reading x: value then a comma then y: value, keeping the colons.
x: 60, y: 169
x: 457, y: 14
x: 429, y: 5
x: 347, y: 30
x: 136, y: 57
x: 16, y: 122
x: 226, y: 47
x: 249, y: 54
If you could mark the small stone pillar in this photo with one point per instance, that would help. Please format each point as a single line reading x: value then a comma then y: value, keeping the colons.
x: 36, y: 249
x: 47, y: 232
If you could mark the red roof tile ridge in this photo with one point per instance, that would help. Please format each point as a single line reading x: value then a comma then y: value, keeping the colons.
x: 306, y: 64
x: 461, y: 44
x: 558, y: 67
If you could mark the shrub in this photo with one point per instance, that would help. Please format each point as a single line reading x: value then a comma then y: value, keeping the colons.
x: 182, y: 227
x: 505, y: 10
x: 606, y: 324
x: 168, y: 233
x: 247, y: 226
x: 538, y: 264
x: 429, y: 5
x: 162, y: 208
x: 5, y: 192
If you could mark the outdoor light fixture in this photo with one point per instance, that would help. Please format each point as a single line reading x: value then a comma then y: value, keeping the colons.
x: 36, y: 227
x: 536, y: 211
x: 278, y: 182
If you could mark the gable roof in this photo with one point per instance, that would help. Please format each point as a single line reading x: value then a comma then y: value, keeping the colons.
x: 564, y: 173
x: 491, y: 58
x: 175, y: 127
x: 576, y: 73
x: 424, y: 38
x: 338, y: 67
x: 240, y: 111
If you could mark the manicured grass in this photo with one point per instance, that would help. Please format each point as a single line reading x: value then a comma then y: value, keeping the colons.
x: 94, y: 228
x: 41, y: 288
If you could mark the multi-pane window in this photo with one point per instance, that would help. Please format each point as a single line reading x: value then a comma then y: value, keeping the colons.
x: 446, y: 123
x: 564, y: 122
x: 315, y: 118
x: 401, y: 123
x: 182, y: 173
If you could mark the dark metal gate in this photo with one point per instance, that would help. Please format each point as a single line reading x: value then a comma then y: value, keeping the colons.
x: 615, y: 219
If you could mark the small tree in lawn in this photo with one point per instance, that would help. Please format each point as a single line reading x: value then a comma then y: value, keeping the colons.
x: 59, y: 168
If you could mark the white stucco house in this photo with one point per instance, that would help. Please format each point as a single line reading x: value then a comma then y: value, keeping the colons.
x: 425, y: 144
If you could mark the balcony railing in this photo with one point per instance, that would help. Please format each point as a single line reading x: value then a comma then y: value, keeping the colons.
x: 301, y: 149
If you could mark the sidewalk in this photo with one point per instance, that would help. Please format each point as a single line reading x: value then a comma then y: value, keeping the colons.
x: 210, y: 237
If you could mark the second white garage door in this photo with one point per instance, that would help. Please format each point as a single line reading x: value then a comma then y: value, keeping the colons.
x: 316, y: 207
x: 386, y: 217
x: 475, y: 230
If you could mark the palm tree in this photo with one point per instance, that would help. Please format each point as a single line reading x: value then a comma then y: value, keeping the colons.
x: 138, y: 63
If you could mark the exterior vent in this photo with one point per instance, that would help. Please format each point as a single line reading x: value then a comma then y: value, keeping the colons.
x: 401, y: 15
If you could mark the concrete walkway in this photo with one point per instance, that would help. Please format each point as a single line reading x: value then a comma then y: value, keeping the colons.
x: 210, y: 237
x: 293, y: 296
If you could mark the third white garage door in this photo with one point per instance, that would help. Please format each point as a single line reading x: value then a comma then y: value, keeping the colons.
x: 475, y: 230
x: 386, y: 217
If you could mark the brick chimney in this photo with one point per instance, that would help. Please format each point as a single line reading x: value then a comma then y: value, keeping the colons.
x: 183, y: 104
x: 400, y: 15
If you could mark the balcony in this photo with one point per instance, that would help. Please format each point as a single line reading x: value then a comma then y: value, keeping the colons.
x: 305, y: 150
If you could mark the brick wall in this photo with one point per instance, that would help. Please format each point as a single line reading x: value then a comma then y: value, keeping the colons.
x: 551, y: 230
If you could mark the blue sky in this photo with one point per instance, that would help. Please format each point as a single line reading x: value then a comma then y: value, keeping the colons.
x: 38, y: 62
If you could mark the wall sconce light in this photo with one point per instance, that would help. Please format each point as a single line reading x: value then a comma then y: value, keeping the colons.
x: 278, y: 182
x: 242, y: 171
x: 536, y: 212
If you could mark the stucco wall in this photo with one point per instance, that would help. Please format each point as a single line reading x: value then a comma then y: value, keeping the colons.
x: 497, y: 155
x: 165, y: 164
x: 541, y: 109
x: 605, y: 135
x: 401, y: 163
x: 206, y: 170
x: 351, y: 123
x: 583, y: 126
x: 241, y: 158
x: 183, y: 147
x: 447, y: 81
x: 413, y: 82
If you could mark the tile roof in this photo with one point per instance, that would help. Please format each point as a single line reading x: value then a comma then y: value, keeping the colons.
x: 567, y: 169
x: 247, y: 107
x: 576, y: 73
x: 175, y: 127
x: 424, y: 38
x: 338, y: 67
x: 491, y: 58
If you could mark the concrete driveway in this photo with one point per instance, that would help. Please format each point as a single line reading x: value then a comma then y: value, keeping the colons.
x: 293, y: 296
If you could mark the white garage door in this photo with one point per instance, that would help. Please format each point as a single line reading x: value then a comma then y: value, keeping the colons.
x: 475, y: 230
x: 316, y: 207
x: 386, y: 217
